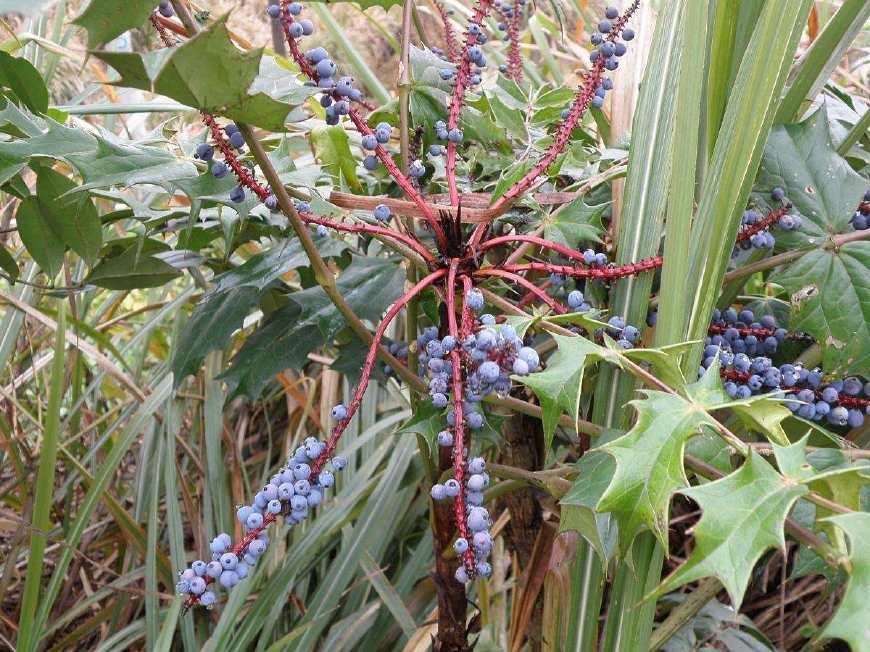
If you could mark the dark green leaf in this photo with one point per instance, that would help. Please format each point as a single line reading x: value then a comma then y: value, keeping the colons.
x: 7, y: 263
x: 25, y: 81
x: 575, y: 223
x: 106, y: 19
x: 72, y: 217
x: 36, y: 233
x: 131, y: 270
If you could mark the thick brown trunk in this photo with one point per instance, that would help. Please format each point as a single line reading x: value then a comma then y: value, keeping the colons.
x: 522, y: 448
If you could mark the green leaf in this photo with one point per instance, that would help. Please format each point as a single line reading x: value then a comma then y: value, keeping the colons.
x: 25, y: 81
x: 132, y: 270
x: 289, y: 334
x: 207, y: 72
x: 36, y: 233
x: 331, y: 145
x: 596, y: 471
x: 743, y: 516
x: 72, y: 217
x: 210, y: 327
x: 649, y: 464
x: 575, y: 223
x: 823, y: 189
x: 106, y: 19
x: 7, y: 263
x: 830, y: 300
x: 850, y: 621
x: 558, y: 387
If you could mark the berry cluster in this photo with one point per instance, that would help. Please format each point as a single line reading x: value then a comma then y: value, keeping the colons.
x: 743, y: 346
x: 477, y: 547
x: 756, y: 227
x: 292, y: 493
x: 861, y: 219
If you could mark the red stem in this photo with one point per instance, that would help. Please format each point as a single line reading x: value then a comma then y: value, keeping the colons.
x: 515, y: 64
x: 572, y: 254
x: 461, y: 79
x: 563, y: 135
x: 458, y: 418
x: 244, y: 175
x: 370, y: 228
x: 369, y: 364
x: 531, y: 287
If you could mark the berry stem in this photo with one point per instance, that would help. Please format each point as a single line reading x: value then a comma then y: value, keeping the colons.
x: 765, y: 223
x: 369, y: 364
x: 572, y: 254
x: 244, y: 175
x: 605, y: 273
x: 459, y: 419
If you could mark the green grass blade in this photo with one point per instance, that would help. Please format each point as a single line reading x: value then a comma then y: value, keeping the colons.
x: 388, y: 594
x: 823, y: 56
x: 86, y: 508
x: 748, y: 118
x: 856, y: 134
x: 152, y: 604
x: 674, y: 291
x: 41, y: 521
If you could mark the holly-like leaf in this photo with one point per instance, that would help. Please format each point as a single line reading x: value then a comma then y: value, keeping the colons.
x: 207, y: 72
x: 575, y: 223
x: 106, y: 19
x: 24, y: 80
x: 649, y: 464
x: 289, y: 334
x: 850, y: 622
x: 72, y: 217
x: 743, y: 516
x: 830, y: 300
x: 558, y: 387
x: 34, y: 227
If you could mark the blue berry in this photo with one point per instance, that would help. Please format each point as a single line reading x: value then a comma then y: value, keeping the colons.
x: 381, y: 212
x: 597, y: 102
x: 339, y: 412
x: 165, y: 9
x: 274, y: 11
x: 417, y: 168
x: 204, y: 152
x: 219, y: 170
x: 383, y: 132
x: 438, y: 492
x: 777, y: 194
x: 460, y: 546
x: 316, y: 55
x: 455, y: 135
x: 604, y: 26
x: 474, y: 299
x: 307, y: 27
x: 237, y: 195
x: 237, y: 140
x: 295, y: 8
x: 325, y: 68
x: 628, y: 34
x: 370, y: 162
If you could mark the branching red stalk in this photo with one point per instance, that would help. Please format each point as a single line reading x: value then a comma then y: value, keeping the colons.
x: 458, y: 417
x: 515, y: 64
x: 451, y: 47
x: 368, y: 366
x: 569, y: 253
x: 563, y: 134
x: 463, y: 71
x: 531, y: 287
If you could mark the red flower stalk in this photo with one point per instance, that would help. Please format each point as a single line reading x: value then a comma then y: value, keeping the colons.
x: 363, y: 127
x: 458, y: 417
x: 501, y: 272
x: 450, y: 45
x: 244, y: 175
x: 463, y: 72
x: 569, y: 253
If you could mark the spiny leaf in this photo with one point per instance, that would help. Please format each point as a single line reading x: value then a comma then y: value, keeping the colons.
x: 72, y: 217
x: 850, y: 621
x: 575, y: 223
x: 743, y: 516
x: 558, y: 387
x: 331, y: 146
x: 649, y: 464
x: 578, y: 505
x: 207, y: 72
